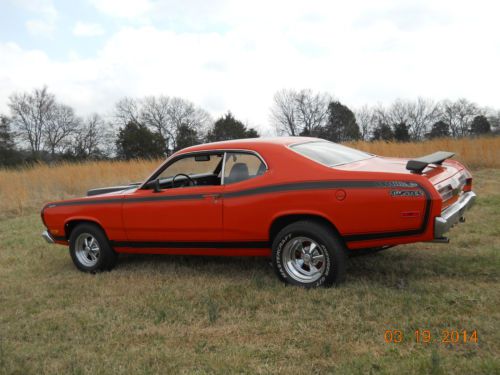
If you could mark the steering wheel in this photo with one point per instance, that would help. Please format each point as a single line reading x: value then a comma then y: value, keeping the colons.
x: 190, y: 180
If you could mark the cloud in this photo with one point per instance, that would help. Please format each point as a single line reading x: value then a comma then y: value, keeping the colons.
x: 132, y: 9
x: 46, y: 16
x: 87, y: 29
x: 323, y: 46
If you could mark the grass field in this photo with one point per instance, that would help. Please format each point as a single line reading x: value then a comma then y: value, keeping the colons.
x: 166, y: 314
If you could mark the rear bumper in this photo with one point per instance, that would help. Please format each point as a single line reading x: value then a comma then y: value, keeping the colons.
x: 453, y: 214
x: 47, y: 237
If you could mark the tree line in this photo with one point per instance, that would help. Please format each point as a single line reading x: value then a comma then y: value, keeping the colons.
x: 39, y: 127
x: 320, y: 115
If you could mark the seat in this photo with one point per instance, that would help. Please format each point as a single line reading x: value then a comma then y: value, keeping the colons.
x: 239, y: 172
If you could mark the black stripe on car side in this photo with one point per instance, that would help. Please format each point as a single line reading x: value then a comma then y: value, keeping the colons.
x: 193, y: 245
x: 298, y: 186
x: 294, y: 186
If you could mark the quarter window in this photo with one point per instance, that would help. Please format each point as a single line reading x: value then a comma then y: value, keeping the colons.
x: 241, y: 166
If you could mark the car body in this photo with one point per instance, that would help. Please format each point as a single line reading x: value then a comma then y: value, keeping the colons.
x: 234, y: 198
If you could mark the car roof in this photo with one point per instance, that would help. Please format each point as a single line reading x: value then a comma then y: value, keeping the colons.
x: 249, y: 143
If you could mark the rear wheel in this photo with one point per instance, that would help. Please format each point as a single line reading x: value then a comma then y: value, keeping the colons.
x: 90, y: 250
x: 309, y: 254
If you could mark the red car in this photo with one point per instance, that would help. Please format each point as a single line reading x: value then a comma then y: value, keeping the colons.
x: 304, y: 201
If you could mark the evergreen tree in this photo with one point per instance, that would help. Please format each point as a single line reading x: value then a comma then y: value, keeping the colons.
x: 227, y: 127
x: 341, y: 125
x: 480, y: 125
x: 186, y: 136
x: 383, y: 132
x: 8, y: 154
x: 136, y: 141
x: 440, y: 129
x: 401, y: 133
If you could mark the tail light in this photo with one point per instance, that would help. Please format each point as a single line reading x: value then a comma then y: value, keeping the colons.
x: 468, y: 181
x: 446, y: 193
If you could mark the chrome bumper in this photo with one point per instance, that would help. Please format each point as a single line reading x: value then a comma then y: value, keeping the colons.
x: 46, y: 235
x: 453, y: 214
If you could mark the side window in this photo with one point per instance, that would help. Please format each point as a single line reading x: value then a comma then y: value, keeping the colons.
x: 241, y: 167
x: 202, y: 169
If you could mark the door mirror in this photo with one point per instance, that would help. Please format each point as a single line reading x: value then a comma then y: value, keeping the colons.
x: 157, y: 186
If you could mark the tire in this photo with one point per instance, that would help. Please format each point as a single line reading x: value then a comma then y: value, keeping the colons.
x: 90, y: 250
x: 309, y: 254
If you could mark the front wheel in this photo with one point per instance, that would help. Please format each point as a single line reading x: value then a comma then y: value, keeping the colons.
x: 309, y: 254
x: 90, y: 250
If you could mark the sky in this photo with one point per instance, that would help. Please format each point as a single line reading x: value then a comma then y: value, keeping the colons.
x: 234, y: 55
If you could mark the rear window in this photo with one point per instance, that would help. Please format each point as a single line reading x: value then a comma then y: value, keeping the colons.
x: 329, y: 153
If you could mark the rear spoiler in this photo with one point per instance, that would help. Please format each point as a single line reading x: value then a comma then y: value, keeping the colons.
x: 418, y: 165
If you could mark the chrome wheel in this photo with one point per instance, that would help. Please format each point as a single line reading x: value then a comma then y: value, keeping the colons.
x: 87, y: 250
x: 304, y: 259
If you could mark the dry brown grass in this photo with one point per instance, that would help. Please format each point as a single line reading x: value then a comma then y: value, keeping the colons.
x: 25, y: 190
x: 476, y: 153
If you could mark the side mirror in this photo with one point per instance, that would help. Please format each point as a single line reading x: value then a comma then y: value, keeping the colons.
x: 157, y: 186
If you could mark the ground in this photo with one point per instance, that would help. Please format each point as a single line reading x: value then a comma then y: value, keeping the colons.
x: 166, y: 314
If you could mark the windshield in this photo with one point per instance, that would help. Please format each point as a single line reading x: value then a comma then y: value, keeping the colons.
x: 330, y: 153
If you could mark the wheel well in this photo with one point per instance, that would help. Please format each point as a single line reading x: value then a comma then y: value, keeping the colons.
x: 282, y: 221
x: 70, y: 225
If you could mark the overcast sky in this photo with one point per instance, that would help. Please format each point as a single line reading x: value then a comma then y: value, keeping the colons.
x: 234, y: 55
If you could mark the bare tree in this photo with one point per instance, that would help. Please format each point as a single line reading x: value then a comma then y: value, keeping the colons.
x: 60, y: 125
x: 30, y: 113
x: 154, y: 113
x: 284, y: 113
x: 422, y: 114
x: 459, y: 115
x: 366, y: 119
x: 91, y: 138
x: 184, y: 113
x: 127, y: 110
x: 299, y: 112
x: 312, y: 111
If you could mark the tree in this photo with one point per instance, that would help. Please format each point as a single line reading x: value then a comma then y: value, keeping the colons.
x: 163, y: 115
x: 61, y: 123
x: 8, y: 154
x: 30, y: 113
x: 299, y: 112
x: 459, y: 115
x: 401, y: 133
x: 383, y: 132
x: 341, y: 125
x: 366, y: 118
x: 136, y: 141
x: 480, y: 125
x: 90, y: 139
x: 440, y: 129
x: 227, y: 127
x: 283, y: 113
x: 186, y: 136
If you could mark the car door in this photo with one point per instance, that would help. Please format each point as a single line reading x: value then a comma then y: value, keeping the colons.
x: 180, y: 213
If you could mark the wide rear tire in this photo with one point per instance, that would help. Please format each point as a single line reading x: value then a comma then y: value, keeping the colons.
x: 309, y: 254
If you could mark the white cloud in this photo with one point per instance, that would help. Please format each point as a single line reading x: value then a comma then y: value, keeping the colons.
x: 353, y: 50
x: 46, y: 15
x: 87, y: 29
x: 123, y: 8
